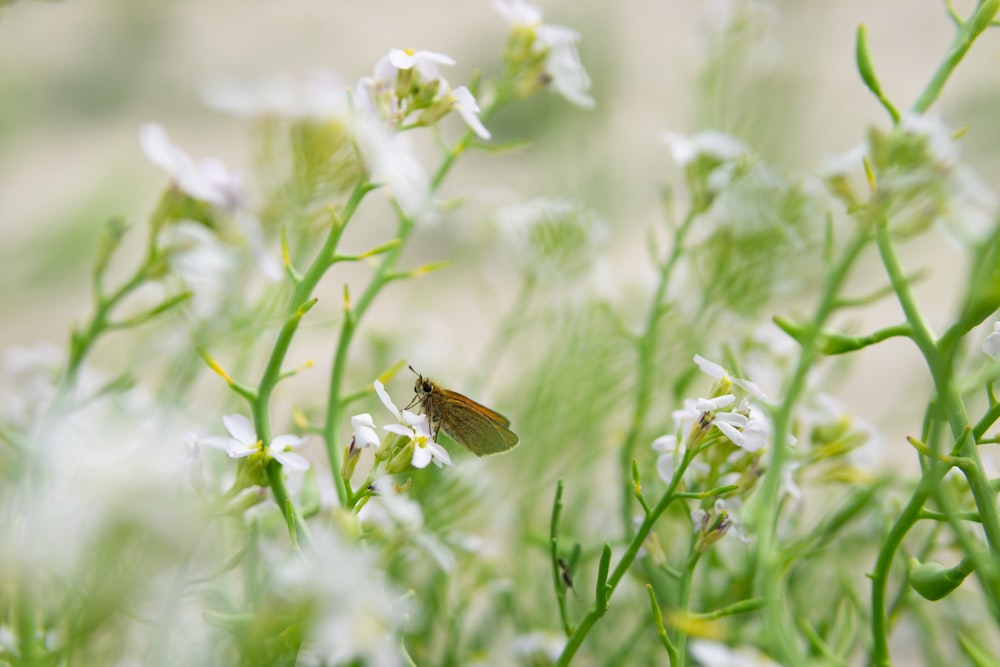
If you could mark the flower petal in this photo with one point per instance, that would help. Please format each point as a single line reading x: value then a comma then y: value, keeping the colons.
x: 240, y: 428
x: 710, y: 368
x: 290, y: 460
x: 421, y: 457
x: 665, y: 443
x: 383, y: 396
x: 468, y: 109
x: 399, y: 429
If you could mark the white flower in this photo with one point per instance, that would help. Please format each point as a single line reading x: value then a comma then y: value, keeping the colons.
x: 548, y: 644
x: 466, y: 106
x: 670, y: 454
x: 562, y: 62
x: 716, y: 371
x: 709, y: 143
x: 788, y: 486
x: 208, y: 180
x: 569, y: 76
x: 203, y: 263
x: 417, y: 429
x: 991, y: 344
x: 425, y: 449
x: 425, y: 62
x: 316, y: 95
x: 392, y: 162
x: 353, y: 615
x: 941, y: 145
x: 364, y: 431
x: 243, y: 442
x: 518, y: 12
x: 717, y: 654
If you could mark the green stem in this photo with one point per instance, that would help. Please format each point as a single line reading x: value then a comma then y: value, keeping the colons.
x: 684, y: 599
x: 965, y: 34
x: 353, y: 314
x: 82, y: 343
x: 646, y: 370
x: 950, y: 405
x: 560, y: 589
x: 625, y: 562
x: 768, y: 558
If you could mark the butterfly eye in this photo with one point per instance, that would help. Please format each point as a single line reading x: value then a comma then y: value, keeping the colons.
x: 426, y: 387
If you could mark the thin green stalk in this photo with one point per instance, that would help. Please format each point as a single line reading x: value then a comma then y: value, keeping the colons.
x: 965, y: 34
x: 624, y: 563
x: 768, y: 565
x: 684, y: 599
x: 557, y: 583
x: 81, y: 344
x: 646, y: 370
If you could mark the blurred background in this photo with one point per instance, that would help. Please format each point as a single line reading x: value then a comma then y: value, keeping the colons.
x: 77, y: 79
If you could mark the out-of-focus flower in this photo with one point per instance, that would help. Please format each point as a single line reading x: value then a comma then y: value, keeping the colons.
x: 548, y: 644
x: 392, y: 162
x: 991, y: 344
x: 316, y: 95
x: 544, y: 54
x: 716, y: 146
x: 207, y: 180
x: 350, y: 612
x: 717, y: 654
x: 556, y: 240
x: 28, y: 377
x: 407, y: 89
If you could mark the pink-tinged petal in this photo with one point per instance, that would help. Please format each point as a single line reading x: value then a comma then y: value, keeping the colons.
x: 240, y: 428
x: 399, y: 429
x: 286, y: 442
x: 383, y: 396
x: 290, y: 460
x: 421, y: 457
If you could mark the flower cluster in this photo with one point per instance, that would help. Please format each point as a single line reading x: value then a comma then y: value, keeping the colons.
x: 407, y: 90
x: 719, y: 441
x: 543, y: 54
x: 411, y: 444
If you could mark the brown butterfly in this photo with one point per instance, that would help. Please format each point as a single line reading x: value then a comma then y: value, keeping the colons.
x: 477, y: 428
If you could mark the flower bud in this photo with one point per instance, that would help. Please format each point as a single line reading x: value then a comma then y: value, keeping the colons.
x: 933, y: 581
